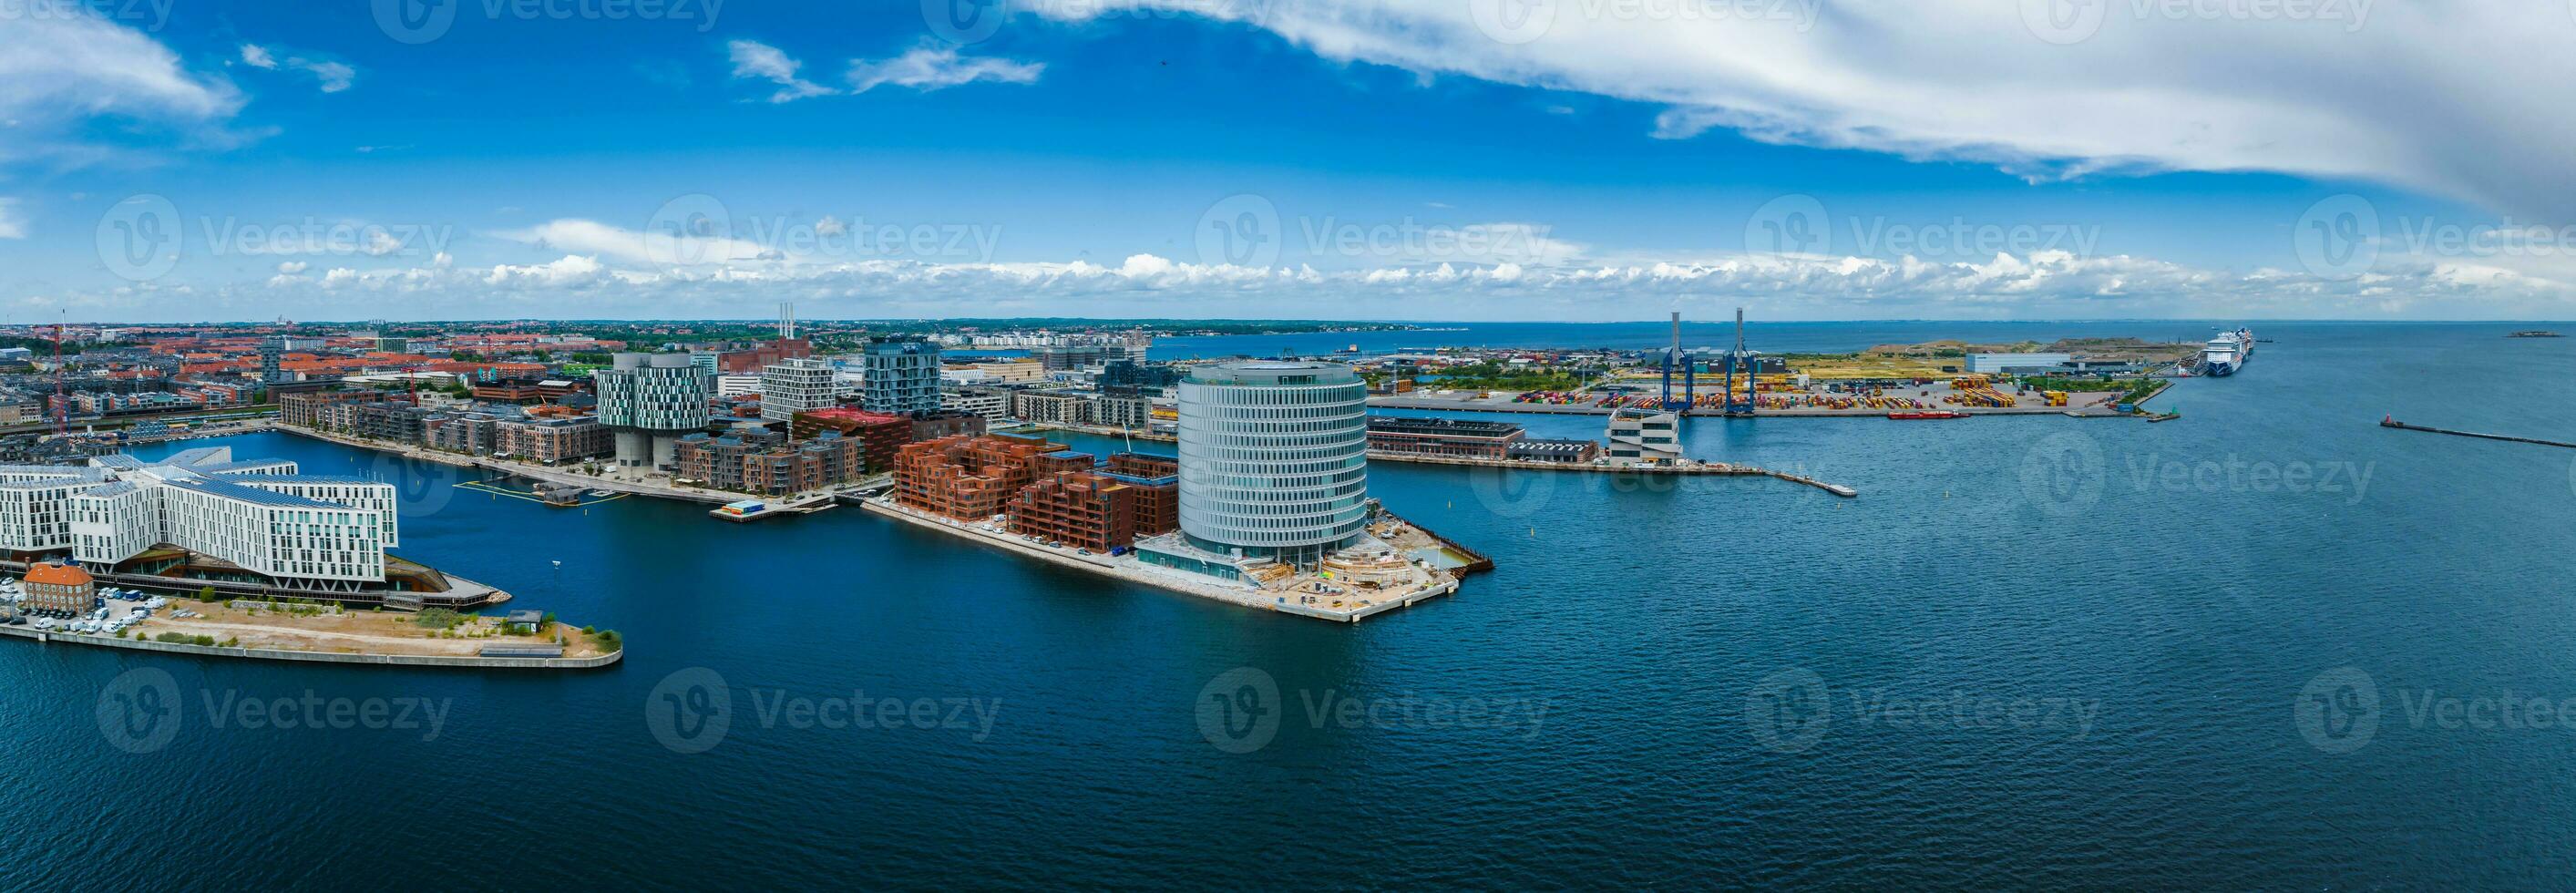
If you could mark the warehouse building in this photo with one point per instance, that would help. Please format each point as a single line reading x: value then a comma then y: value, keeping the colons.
x: 1444, y: 438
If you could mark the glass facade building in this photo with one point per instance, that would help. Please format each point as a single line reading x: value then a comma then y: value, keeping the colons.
x: 902, y: 375
x: 649, y: 400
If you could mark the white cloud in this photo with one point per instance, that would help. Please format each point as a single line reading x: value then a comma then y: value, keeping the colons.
x: 753, y: 59
x: 928, y: 68
x: 591, y: 237
x: 569, y: 271
x: 13, y: 222
x: 2438, y: 98
x: 60, y: 72
x: 2040, y: 285
x: 331, y: 76
x: 292, y: 267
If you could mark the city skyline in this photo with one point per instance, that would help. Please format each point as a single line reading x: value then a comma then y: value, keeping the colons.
x: 1478, y: 161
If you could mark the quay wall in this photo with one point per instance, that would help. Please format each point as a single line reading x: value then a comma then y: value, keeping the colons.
x: 325, y: 657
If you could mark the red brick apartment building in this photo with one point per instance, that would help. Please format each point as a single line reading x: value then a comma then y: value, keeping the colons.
x: 1157, y: 482
x: 1078, y: 509
x: 967, y: 477
x: 878, y: 434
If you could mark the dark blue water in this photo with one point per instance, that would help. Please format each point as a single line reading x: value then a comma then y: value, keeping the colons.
x: 2036, y: 652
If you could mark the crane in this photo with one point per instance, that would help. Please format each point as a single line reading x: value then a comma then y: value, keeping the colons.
x: 1739, y: 359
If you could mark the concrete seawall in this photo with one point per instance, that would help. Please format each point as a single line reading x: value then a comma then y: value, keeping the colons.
x: 324, y: 657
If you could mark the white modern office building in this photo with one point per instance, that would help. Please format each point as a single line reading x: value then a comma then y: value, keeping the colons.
x: 650, y: 400
x: 1274, y: 459
x: 311, y: 531
x: 794, y: 385
x: 1641, y: 437
x: 994, y: 404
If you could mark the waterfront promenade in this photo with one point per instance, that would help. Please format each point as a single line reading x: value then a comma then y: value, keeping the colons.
x: 552, y: 475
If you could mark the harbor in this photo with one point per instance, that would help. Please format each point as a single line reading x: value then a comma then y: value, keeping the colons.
x: 1685, y: 467
x: 1726, y: 583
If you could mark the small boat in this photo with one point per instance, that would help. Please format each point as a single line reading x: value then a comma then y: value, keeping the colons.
x: 1928, y: 414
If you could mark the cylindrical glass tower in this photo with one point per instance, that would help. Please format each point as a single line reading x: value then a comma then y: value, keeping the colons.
x: 1274, y: 458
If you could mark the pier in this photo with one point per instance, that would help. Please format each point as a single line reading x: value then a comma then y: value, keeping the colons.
x: 2392, y: 422
x: 734, y: 512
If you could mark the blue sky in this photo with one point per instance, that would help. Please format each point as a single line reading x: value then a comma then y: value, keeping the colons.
x: 1392, y: 159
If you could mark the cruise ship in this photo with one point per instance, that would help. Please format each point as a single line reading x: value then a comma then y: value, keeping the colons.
x: 2227, y: 352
